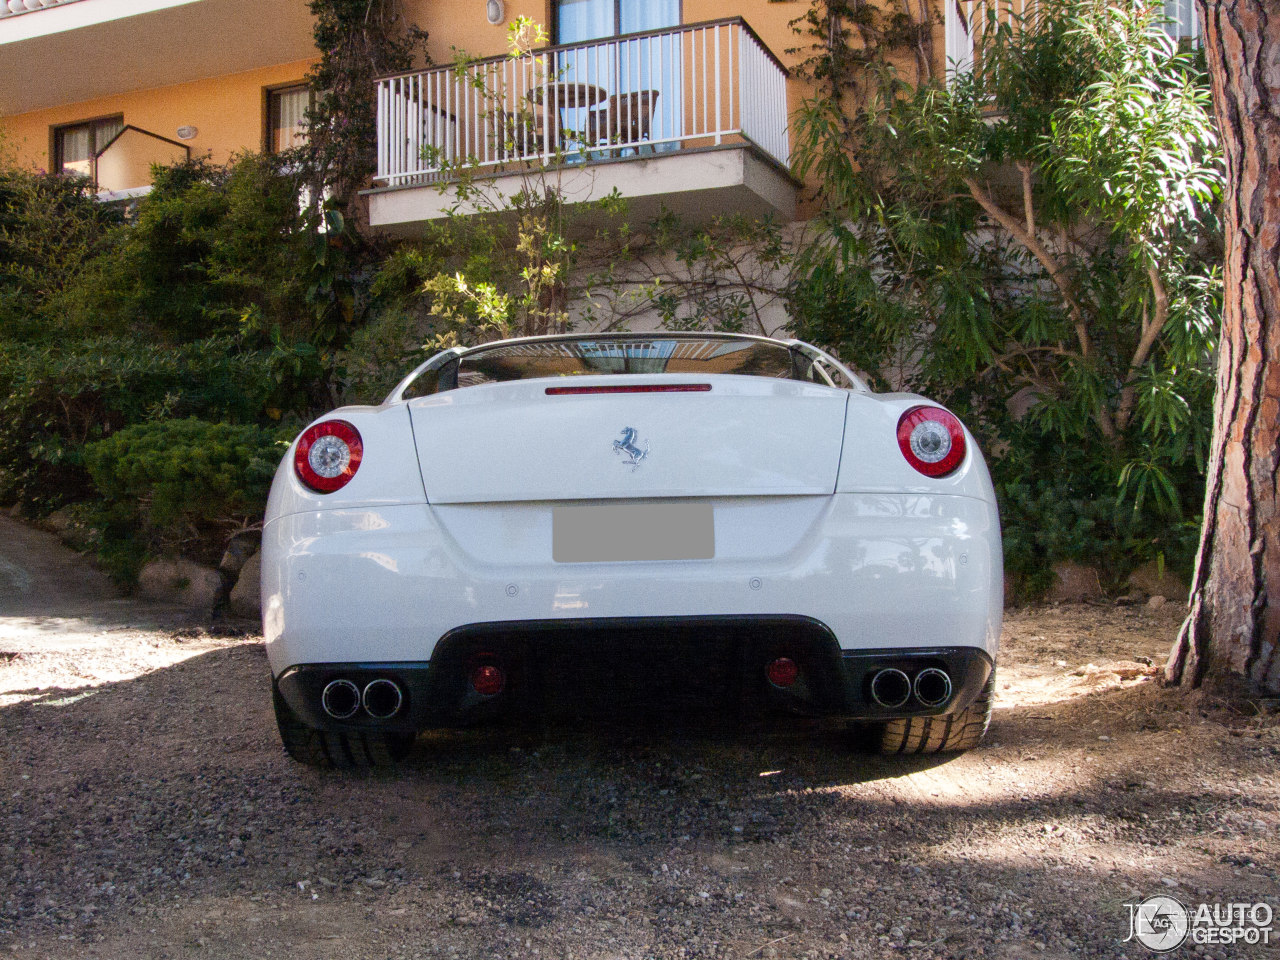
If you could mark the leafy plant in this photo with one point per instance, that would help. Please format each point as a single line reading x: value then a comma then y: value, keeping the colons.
x: 1034, y: 244
x: 169, y: 483
x: 50, y: 226
x: 56, y: 399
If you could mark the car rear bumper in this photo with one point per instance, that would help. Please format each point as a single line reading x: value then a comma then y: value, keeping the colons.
x: 637, y: 666
x: 386, y: 584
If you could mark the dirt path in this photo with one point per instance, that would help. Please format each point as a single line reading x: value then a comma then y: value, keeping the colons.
x: 147, y: 811
x: 51, y: 600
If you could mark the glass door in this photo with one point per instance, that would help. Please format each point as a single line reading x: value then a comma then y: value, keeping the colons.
x: 638, y: 80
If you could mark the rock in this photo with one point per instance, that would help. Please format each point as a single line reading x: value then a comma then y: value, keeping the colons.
x: 240, y: 549
x: 181, y: 582
x: 1156, y: 602
x: 246, y: 595
x: 16, y: 511
x: 69, y: 528
x: 1074, y: 582
x: 61, y: 520
x: 1152, y: 582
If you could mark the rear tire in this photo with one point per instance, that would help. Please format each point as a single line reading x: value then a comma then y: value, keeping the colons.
x: 950, y: 734
x: 341, y: 751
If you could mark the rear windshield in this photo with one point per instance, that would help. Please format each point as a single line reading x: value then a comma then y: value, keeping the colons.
x: 569, y: 358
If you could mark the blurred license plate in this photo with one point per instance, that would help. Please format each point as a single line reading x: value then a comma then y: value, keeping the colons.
x: 633, y: 531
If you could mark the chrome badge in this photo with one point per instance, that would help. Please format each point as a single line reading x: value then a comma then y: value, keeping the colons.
x: 626, y: 445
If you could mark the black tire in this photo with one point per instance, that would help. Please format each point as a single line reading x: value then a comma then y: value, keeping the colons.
x: 950, y: 734
x: 341, y: 751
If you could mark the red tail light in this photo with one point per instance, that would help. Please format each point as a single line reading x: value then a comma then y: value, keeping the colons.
x: 635, y: 388
x: 328, y: 455
x: 931, y: 439
x: 488, y: 679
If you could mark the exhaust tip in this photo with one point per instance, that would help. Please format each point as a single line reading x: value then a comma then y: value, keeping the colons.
x: 890, y: 688
x: 382, y: 699
x: 933, y: 687
x: 341, y: 699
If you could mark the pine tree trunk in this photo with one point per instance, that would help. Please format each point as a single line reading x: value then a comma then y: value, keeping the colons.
x: 1233, y: 629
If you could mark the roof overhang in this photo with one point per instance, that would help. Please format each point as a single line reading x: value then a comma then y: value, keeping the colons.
x: 86, y: 49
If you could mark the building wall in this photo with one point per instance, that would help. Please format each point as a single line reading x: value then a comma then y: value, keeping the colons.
x: 228, y: 111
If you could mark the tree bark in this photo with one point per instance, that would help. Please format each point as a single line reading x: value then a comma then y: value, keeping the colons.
x: 1233, y: 629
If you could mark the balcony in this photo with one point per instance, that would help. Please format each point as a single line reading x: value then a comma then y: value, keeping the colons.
x: 55, y: 52
x: 693, y: 119
x: 966, y: 22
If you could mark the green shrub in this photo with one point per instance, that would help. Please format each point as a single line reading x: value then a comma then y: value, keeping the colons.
x: 49, y: 227
x: 173, y: 482
x: 1033, y: 243
x: 56, y: 399
x: 207, y: 244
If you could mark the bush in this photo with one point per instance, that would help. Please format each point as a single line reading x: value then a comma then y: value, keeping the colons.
x: 174, y: 482
x: 54, y: 400
x: 49, y: 227
x: 1035, y: 245
x: 207, y: 244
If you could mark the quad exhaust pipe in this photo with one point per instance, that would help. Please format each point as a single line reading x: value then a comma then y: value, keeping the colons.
x: 341, y: 699
x: 891, y: 688
x: 932, y: 687
x: 381, y: 699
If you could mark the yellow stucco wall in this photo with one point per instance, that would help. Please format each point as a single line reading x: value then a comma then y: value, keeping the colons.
x: 227, y: 111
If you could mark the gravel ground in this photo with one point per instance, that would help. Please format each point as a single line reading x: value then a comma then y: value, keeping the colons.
x: 147, y: 810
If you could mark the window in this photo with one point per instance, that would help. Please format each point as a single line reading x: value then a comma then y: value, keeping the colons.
x: 578, y: 20
x: 287, y: 117
x: 76, y: 145
x: 587, y: 356
x: 641, y: 78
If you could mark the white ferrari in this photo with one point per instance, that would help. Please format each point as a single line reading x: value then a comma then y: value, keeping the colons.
x: 567, y: 524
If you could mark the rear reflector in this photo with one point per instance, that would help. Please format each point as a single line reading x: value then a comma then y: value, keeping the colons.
x: 488, y: 680
x: 639, y: 388
x: 782, y: 672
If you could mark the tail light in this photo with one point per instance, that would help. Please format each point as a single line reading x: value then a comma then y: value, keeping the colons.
x: 328, y: 455
x: 931, y: 439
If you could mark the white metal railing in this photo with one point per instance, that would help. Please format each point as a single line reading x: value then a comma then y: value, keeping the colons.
x: 966, y: 21
x: 698, y: 85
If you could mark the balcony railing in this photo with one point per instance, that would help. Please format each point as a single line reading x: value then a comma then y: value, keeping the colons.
x: 704, y: 84
x: 967, y: 22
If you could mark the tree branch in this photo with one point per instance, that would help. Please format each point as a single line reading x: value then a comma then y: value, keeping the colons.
x: 1152, y: 325
x: 1027, y: 206
x: 1055, y: 270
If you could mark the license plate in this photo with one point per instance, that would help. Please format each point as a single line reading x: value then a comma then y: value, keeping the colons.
x: 633, y: 531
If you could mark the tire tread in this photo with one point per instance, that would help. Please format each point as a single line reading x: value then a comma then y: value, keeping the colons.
x: 950, y: 734
x: 337, y: 751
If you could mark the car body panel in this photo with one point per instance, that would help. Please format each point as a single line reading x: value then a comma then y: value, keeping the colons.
x: 743, y: 436
x: 386, y: 583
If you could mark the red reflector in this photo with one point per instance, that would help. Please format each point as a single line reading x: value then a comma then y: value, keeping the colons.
x: 488, y: 680
x: 639, y: 388
x: 782, y: 672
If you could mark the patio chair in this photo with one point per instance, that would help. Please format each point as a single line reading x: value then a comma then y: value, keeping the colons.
x: 626, y: 120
